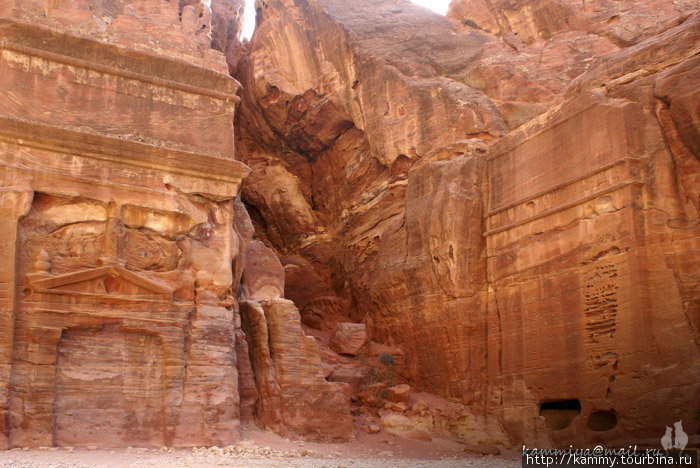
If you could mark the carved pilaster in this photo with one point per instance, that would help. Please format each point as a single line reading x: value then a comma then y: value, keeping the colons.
x: 13, y: 204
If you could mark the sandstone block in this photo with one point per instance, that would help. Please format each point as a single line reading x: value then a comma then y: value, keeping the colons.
x: 349, y: 338
x: 396, y: 407
x: 373, y: 395
x: 294, y: 397
x: 399, y: 393
x: 400, y: 425
x: 352, y: 375
x: 263, y: 274
x: 397, y: 422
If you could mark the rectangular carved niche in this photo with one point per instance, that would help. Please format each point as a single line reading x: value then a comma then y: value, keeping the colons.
x: 109, y: 387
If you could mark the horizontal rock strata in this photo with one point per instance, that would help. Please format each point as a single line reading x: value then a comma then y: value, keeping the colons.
x: 117, y: 211
x: 509, y: 198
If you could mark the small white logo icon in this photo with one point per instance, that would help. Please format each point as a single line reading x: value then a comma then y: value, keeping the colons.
x: 680, y: 440
x: 667, y: 439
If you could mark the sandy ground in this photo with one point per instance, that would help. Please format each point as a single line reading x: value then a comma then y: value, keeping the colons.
x: 262, y: 449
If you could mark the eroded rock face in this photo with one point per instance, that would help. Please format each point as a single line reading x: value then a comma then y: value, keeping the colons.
x: 510, y: 200
x: 313, y: 95
x: 263, y: 274
x: 294, y: 400
x: 621, y: 229
x: 518, y: 257
x: 624, y: 22
x: 283, y: 382
x: 175, y: 29
x: 116, y: 289
x: 341, y: 194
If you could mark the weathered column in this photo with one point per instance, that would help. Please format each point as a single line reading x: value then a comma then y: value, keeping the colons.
x: 13, y: 204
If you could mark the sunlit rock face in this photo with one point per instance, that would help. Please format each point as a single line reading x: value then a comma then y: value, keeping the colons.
x: 591, y: 230
x: 624, y: 22
x: 517, y: 212
x: 125, y: 241
x: 118, y: 179
x: 507, y: 200
x: 294, y: 398
x: 342, y: 139
x: 226, y: 28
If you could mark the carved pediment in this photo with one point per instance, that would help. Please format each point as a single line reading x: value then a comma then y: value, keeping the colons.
x: 108, y: 280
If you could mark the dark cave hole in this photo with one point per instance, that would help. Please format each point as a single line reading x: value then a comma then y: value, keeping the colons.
x: 602, y: 421
x: 558, y: 414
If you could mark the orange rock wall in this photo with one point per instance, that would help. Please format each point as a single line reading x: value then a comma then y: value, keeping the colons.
x: 546, y: 254
x: 117, y: 215
x: 343, y: 169
x: 511, y: 199
x: 585, y: 294
x: 624, y: 22
x: 294, y: 400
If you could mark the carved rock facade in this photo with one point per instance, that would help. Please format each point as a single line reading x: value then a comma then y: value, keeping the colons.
x: 117, y: 315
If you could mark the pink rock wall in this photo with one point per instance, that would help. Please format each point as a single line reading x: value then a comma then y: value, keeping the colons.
x: 523, y: 263
x: 117, y: 290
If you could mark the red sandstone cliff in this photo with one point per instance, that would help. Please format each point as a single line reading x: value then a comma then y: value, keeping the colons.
x: 123, y: 242
x: 510, y: 198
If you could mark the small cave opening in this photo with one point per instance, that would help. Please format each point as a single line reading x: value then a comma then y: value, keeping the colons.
x: 600, y: 421
x: 558, y: 414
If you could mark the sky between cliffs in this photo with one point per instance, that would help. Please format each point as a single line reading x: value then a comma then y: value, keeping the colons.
x: 438, y: 6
